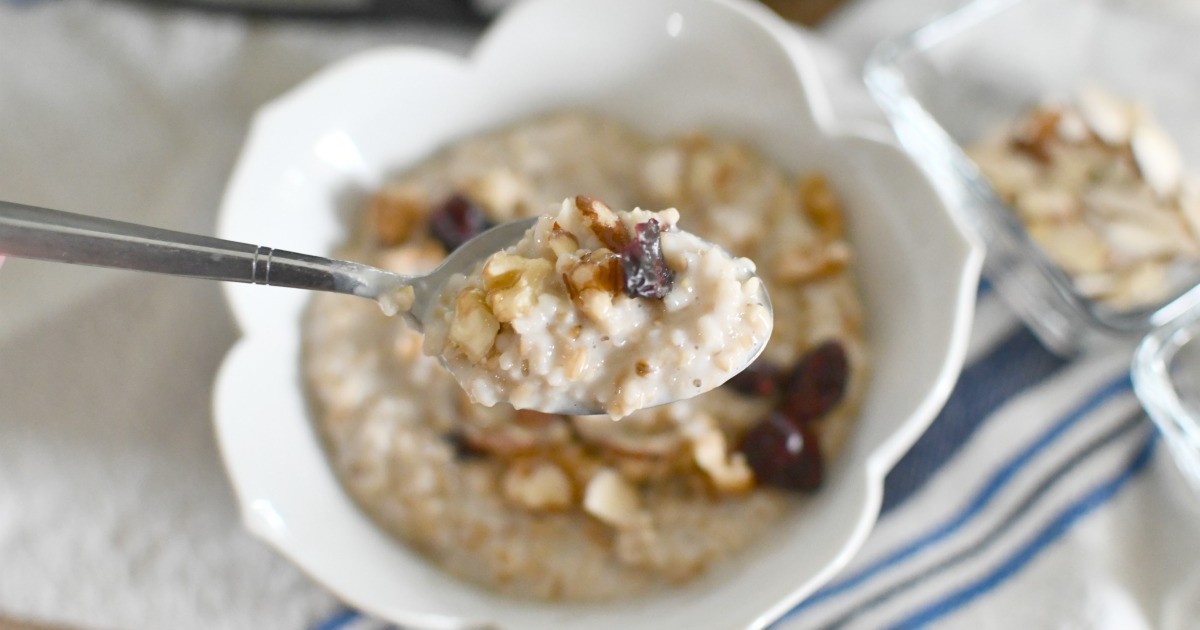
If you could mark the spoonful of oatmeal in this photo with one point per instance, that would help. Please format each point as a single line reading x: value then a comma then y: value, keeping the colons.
x: 598, y: 310
x: 585, y: 312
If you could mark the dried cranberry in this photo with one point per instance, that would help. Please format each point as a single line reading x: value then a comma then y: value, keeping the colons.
x: 646, y: 271
x: 761, y: 379
x: 457, y: 221
x: 784, y: 455
x: 816, y: 384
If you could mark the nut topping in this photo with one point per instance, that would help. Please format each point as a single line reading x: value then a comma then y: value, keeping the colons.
x: 611, y: 499
x: 603, y: 222
x: 474, y: 328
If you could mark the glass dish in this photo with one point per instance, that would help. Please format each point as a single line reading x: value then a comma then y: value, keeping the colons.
x: 946, y: 84
x: 1166, y: 379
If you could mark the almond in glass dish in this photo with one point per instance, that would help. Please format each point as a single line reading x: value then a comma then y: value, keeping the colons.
x: 585, y: 508
x: 1101, y: 188
x: 600, y: 309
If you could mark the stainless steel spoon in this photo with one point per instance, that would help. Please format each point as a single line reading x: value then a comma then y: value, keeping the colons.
x: 41, y: 233
x: 32, y: 232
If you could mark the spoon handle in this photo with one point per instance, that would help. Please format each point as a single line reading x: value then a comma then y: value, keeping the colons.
x: 33, y: 232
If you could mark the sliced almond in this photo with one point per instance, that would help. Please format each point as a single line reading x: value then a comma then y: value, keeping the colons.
x: 1071, y: 127
x: 1074, y: 246
x: 1095, y: 285
x: 1189, y: 206
x: 1143, y: 285
x: 1119, y: 201
x: 1040, y: 204
x: 1140, y: 240
x: 1157, y: 157
x: 1107, y: 117
x: 1008, y: 173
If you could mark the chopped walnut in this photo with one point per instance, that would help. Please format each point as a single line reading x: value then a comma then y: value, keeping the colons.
x: 561, y: 241
x: 603, y: 222
x: 500, y: 191
x: 821, y: 206
x: 728, y: 472
x: 513, y: 284
x: 598, y: 270
x: 804, y: 264
x: 1038, y: 134
x: 611, y: 499
x: 474, y: 327
x: 395, y: 212
x: 414, y: 258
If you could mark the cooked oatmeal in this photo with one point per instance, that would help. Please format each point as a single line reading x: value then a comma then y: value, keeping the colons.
x: 585, y: 508
x: 1100, y: 187
x: 600, y: 310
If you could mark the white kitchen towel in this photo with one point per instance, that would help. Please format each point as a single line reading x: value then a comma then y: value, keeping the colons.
x: 114, y: 509
x: 1038, y: 498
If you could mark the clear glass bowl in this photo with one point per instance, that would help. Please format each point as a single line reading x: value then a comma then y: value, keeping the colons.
x: 946, y: 84
x: 1166, y: 379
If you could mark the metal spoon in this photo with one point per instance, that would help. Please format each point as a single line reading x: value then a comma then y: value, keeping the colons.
x: 41, y: 233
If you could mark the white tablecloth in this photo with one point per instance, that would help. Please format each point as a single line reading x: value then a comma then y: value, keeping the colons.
x: 1039, y: 499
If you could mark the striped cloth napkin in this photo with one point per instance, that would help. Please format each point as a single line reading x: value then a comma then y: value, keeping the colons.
x: 1038, y: 498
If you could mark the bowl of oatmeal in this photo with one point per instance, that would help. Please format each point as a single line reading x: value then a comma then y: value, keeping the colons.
x: 1064, y: 130
x: 355, y: 455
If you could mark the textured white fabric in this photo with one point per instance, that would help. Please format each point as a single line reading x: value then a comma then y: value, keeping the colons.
x: 114, y: 510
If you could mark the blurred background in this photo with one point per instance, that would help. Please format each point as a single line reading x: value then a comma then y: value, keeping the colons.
x: 114, y: 509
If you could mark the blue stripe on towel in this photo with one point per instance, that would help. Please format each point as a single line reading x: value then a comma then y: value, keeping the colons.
x: 990, y: 489
x: 337, y: 620
x: 1047, y: 535
x: 985, y: 287
x: 1014, y: 365
x: 1005, y: 523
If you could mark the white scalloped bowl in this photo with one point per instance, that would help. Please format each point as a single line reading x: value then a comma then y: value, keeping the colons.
x: 663, y: 66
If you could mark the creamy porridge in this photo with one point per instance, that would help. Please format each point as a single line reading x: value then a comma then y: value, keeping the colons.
x: 585, y: 508
x: 1100, y: 187
x: 600, y: 310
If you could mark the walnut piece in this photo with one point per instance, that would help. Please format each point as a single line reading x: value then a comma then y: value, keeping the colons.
x: 537, y: 485
x: 603, y: 222
x: 395, y: 212
x: 513, y: 284
x: 611, y: 499
x: 474, y: 327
